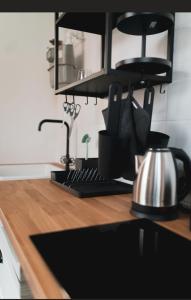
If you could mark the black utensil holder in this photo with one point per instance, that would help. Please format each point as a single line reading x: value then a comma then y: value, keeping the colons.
x: 110, y: 161
x: 82, y: 163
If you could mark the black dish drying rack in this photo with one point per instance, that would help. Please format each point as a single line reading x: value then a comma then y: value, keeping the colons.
x: 88, y: 183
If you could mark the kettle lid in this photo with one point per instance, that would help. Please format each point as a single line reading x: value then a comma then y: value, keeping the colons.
x: 159, y: 150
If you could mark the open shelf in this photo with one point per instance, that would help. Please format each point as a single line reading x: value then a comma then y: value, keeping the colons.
x: 88, y: 22
x: 97, y: 84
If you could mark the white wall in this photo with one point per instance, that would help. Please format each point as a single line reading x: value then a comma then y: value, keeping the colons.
x: 25, y: 94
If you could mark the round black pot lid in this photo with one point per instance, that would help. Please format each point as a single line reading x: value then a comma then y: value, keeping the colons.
x: 144, y: 23
x: 145, y: 65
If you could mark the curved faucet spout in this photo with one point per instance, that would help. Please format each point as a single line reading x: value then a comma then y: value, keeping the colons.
x: 48, y: 121
x: 68, y: 160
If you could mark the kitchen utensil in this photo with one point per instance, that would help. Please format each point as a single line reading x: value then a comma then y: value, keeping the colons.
x: 140, y: 122
x: 148, y: 101
x: 110, y: 161
x: 65, y: 106
x: 81, y: 163
x: 133, y: 130
x: 72, y: 109
x: 145, y: 65
x: 128, y: 137
x: 68, y: 55
x: 110, y: 156
x: 75, y: 113
x: 142, y: 125
x: 154, y: 139
x: 81, y: 74
x: 157, y: 189
x: 50, y: 54
x: 114, y: 105
x: 139, y: 23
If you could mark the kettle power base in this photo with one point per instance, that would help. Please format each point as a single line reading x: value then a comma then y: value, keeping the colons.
x: 154, y: 213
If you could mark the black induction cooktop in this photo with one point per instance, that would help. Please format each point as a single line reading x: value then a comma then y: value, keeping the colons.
x: 133, y: 259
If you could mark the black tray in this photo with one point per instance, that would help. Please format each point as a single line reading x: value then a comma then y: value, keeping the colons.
x: 83, y: 188
x: 145, y: 65
x: 144, y: 23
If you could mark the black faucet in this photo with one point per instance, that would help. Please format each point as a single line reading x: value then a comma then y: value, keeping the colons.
x: 68, y: 160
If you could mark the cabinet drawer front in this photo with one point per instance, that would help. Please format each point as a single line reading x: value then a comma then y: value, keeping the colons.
x: 9, y: 256
x: 9, y: 284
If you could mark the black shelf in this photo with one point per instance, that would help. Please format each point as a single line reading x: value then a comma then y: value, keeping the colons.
x: 85, y: 21
x: 97, y: 84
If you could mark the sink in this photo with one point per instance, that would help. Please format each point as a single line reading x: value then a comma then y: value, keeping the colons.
x: 131, y: 259
x: 27, y: 171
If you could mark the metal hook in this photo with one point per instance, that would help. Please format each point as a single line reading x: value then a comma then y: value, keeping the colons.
x: 65, y: 104
x: 162, y: 92
x: 86, y: 103
x: 130, y: 91
x: 95, y: 102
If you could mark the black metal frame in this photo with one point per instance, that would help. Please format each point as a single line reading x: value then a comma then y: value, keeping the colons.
x: 106, y: 45
x: 106, y: 54
x: 170, y: 51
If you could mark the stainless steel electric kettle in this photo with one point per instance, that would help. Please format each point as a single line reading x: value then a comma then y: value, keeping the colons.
x: 158, y: 188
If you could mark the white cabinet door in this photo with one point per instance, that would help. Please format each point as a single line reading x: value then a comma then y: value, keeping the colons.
x: 9, y: 284
x: 12, y: 282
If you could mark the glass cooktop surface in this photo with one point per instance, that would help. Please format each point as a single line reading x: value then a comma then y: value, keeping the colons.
x: 131, y: 259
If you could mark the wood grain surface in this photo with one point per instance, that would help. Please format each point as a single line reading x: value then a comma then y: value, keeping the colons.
x: 35, y: 206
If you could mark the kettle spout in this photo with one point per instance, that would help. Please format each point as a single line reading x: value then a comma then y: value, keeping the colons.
x: 138, y: 162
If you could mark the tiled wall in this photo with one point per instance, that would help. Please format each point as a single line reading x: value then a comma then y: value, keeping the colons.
x: 172, y: 111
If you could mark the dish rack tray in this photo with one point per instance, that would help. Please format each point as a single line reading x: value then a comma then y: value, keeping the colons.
x: 88, y: 183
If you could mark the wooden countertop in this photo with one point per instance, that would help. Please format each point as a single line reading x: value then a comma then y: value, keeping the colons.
x: 35, y: 206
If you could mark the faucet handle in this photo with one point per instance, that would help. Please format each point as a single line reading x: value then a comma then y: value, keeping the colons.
x: 64, y: 160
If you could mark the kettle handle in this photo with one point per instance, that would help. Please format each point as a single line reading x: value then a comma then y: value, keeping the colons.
x: 184, y: 184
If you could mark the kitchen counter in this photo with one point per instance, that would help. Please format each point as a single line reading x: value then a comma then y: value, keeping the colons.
x: 30, y: 207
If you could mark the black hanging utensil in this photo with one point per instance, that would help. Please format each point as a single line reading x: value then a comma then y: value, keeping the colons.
x: 133, y: 133
x: 148, y: 101
x: 133, y: 129
x: 142, y: 125
x: 110, y: 156
x: 114, y: 106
